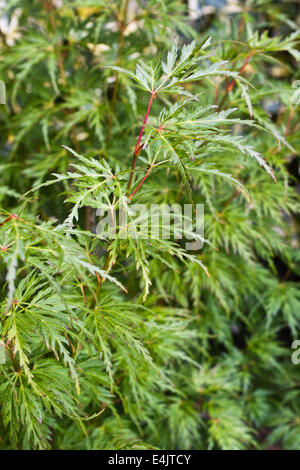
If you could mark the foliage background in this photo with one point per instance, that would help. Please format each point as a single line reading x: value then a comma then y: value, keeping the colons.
x: 204, y: 362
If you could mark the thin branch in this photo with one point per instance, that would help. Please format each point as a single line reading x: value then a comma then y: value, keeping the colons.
x: 142, y: 182
x: 230, y: 86
x: 122, y: 27
x: 138, y: 147
x: 12, y: 216
x: 50, y: 7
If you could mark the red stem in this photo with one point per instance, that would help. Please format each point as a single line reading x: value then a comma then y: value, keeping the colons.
x: 146, y: 176
x: 246, y: 61
x: 230, y: 86
x: 138, y: 145
x: 12, y: 216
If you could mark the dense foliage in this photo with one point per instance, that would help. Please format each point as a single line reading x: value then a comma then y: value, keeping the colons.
x: 137, y: 342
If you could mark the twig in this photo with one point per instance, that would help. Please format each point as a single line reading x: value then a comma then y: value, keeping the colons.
x: 142, y: 182
x: 138, y: 147
x: 50, y: 8
x: 289, y: 121
x: 122, y: 26
x: 12, y: 216
x: 136, y: 153
x: 230, y: 86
